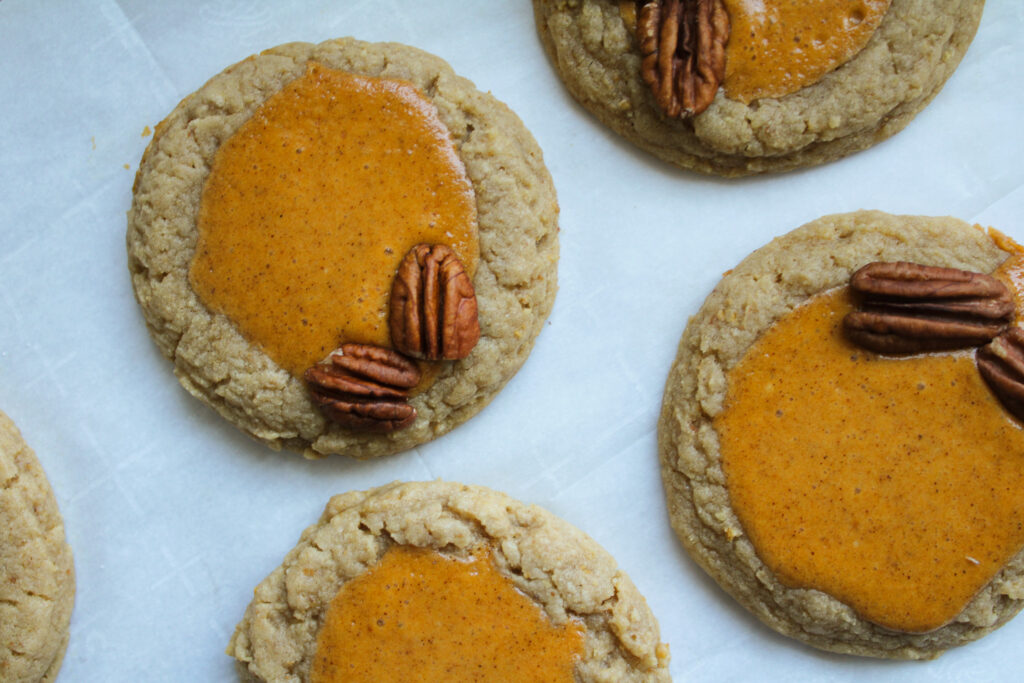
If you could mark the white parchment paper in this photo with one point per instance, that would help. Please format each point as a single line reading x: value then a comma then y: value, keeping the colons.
x: 174, y: 516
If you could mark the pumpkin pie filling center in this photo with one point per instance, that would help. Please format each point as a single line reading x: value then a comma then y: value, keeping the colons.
x: 893, y: 484
x: 777, y: 47
x: 420, y: 615
x: 311, y: 205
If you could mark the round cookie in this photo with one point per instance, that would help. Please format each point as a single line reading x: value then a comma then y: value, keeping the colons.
x: 763, y: 288
x: 515, y: 281
x: 37, y: 580
x: 545, y: 558
x: 875, y: 94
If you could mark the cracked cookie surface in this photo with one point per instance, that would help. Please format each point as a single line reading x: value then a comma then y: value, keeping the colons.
x: 766, y: 286
x: 563, y: 570
x: 37, y: 582
x: 515, y: 281
x: 917, y: 46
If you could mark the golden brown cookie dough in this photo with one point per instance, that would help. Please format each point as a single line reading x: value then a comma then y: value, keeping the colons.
x: 875, y: 94
x: 515, y: 279
x: 564, y: 572
x: 37, y: 580
x: 765, y: 287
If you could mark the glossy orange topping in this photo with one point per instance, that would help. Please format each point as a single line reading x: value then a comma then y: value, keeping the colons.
x: 419, y: 615
x: 777, y: 47
x: 894, y: 484
x: 311, y: 205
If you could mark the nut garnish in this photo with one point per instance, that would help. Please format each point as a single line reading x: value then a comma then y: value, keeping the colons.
x: 682, y: 43
x: 433, y: 306
x: 910, y: 308
x: 1001, y: 364
x: 365, y: 387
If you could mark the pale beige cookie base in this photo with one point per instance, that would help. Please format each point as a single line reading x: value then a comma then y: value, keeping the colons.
x: 515, y: 280
x: 37, y: 580
x: 557, y: 565
x: 764, y: 287
x: 908, y: 59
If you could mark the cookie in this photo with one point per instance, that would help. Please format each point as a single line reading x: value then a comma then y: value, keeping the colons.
x: 514, y: 250
x: 870, y: 96
x: 549, y: 568
x: 37, y: 581
x: 819, y: 507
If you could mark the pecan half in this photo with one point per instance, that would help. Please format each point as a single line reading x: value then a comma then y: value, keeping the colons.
x: 1001, y: 364
x: 433, y: 312
x: 682, y: 45
x: 365, y: 387
x: 910, y: 308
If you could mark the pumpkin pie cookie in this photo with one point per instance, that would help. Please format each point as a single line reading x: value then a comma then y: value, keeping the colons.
x: 37, y: 581
x: 831, y: 450
x: 344, y: 247
x: 442, y: 581
x: 734, y: 88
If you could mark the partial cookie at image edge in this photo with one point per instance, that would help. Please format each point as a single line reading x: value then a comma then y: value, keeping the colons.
x: 864, y: 101
x: 545, y: 558
x: 37, y: 577
x: 764, y: 287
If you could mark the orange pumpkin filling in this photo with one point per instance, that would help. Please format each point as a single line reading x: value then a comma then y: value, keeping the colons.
x: 894, y: 484
x: 777, y: 47
x: 419, y: 615
x: 311, y: 205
